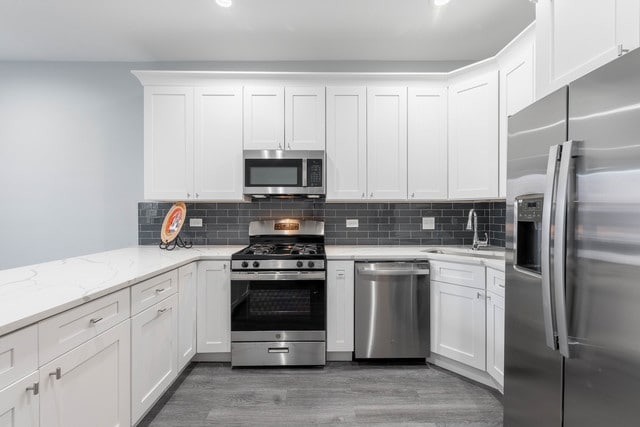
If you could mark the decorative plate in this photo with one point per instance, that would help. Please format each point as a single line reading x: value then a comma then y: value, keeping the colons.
x: 173, y: 222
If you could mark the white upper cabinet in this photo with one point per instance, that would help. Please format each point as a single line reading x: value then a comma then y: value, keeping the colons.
x: 218, y: 143
x: 168, y: 143
x: 574, y: 37
x: 473, y: 136
x: 427, y: 143
x: 264, y: 118
x: 387, y: 143
x: 517, y: 90
x: 304, y: 118
x: 346, y: 150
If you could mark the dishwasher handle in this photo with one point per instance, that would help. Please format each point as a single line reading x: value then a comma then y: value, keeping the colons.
x: 368, y: 270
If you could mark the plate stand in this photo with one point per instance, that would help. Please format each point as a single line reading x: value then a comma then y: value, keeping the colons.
x: 177, y: 242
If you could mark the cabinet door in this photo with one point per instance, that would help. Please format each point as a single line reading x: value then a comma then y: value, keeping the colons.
x: 473, y: 137
x: 304, y: 118
x: 187, y: 297
x: 214, y: 307
x: 427, y: 143
x: 340, y: 283
x: 574, y: 37
x: 458, y: 323
x: 495, y: 337
x: 346, y: 143
x: 516, y: 92
x: 154, y: 354
x: 168, y: 143
x: 264, y: 118
x: 387, y: 143
x: 93, y: 385
x: 218, y: 144
x: 20, y: 407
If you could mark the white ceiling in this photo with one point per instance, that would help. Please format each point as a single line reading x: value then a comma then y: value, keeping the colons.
x: 258, y: 30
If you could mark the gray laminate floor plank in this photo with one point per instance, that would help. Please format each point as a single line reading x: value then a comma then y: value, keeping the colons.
x: 344, y: 394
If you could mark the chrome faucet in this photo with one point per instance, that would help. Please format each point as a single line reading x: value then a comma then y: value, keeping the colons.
x: 474, y: 226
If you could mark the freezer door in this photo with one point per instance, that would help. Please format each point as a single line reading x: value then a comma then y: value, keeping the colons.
x: 533, y: 371
x: 602, y: 375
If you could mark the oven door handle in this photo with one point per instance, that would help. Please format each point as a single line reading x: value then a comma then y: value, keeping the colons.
x: 278, y: 275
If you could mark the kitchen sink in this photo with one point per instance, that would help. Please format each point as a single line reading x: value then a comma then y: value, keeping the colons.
x: 490, y: 252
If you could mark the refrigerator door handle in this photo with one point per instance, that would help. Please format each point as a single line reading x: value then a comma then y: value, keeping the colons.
x: 545, y: 256
x: 560, y: 246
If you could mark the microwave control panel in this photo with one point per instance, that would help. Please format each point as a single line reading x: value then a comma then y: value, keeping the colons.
x: 314, y: 173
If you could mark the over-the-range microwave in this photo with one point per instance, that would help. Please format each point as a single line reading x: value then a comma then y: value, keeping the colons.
x: 284, y: 173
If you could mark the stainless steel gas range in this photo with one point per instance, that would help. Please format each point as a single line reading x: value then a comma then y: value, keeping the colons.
x: 278, y: 295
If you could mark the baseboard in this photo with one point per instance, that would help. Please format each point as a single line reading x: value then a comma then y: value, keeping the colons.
x: 466, y: 371
x: 339, y: 356
x: 212, y: 357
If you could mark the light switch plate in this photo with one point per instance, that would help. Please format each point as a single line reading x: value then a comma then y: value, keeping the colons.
x: 428, y: 223
x: 195, y: 222
x: 352, y: 223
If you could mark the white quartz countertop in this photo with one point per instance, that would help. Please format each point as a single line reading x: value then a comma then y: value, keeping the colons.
x: 32, y: 293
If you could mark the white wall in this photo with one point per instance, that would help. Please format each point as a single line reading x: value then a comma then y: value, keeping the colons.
x: 70, y: 160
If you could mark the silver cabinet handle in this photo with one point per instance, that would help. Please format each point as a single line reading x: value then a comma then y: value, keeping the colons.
x: 622, y: 50
x: 560, y: 246
x: 279, y: 146
x: 488, y: 297
x: 413, y: 195
x: 95, y: 320
x: 188, y: 195
x: 480, y: 295
x: 289, y: 146
x: 35, y: 388
x: 160, y: 290
x: 162, y: 310
x: 501, y: 285
x: 197, y: 195
x: 545, y: 256
x: 363, y: 195
x: 371, y: 195
x: 57, y: 373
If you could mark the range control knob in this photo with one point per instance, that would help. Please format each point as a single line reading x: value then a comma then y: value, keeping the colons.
x: 311, y: 264
x: 244, y: 264
x: 256, y: 264
x: 299, y: 264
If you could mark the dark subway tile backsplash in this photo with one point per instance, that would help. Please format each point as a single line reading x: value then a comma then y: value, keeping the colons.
x: 379, y: 223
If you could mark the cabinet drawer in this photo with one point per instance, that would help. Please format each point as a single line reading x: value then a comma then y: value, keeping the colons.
x: 458, y: 274
x: 18, y: 355
x: 495, y: 281
x: 65, y: 331
x: 152, y: 291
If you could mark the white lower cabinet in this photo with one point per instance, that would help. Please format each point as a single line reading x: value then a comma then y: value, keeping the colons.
x: 340, y: 293
x: 89, y: 385
x: 187, y: 297
x: 154, y: 354
x: 214, y: 307
x: 19, y: 405
x: 495, y: 337
x: 458, y: 323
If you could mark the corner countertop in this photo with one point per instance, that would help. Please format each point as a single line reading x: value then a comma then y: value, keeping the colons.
x: 33, y: 293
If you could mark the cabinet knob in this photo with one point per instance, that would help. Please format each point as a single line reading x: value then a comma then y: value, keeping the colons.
x: 188, y: 195
x: 35, y: 388
x: 289, y: 146
x: 413, y: 195
x: 371, y: 195
x: 488, y: 297
x: 57, y: 374
x: 197, y: 195
x: 279, y: 146
x: 363, y: 195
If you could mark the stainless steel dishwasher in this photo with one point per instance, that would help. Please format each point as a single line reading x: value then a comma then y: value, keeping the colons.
x: 392, y: 310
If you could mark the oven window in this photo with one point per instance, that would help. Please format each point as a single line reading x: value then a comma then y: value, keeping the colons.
x: 278, y: 305
x: 273, y: 173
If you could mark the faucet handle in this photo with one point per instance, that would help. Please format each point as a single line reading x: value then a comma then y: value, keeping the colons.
x: 484, y: 242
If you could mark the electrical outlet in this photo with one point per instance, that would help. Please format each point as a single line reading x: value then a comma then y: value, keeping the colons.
x: 352, y: 223
x: 195, y: 222
x: 428, y: 223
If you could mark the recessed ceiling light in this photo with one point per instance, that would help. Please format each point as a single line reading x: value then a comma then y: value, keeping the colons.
x: 228, y: 3
x: 440, y: 2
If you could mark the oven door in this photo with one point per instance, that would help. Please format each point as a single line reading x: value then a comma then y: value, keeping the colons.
x: 278, y: 306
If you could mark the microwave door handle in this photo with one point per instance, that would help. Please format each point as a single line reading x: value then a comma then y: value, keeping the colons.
x: 304, y: 173
x: 545, y: 256
x: 560, y: 246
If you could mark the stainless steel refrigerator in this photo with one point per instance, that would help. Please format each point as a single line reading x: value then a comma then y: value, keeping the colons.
x: 572, y: 350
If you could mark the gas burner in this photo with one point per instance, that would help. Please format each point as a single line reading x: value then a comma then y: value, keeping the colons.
x: 261, y: 249
x: 304, y: 249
